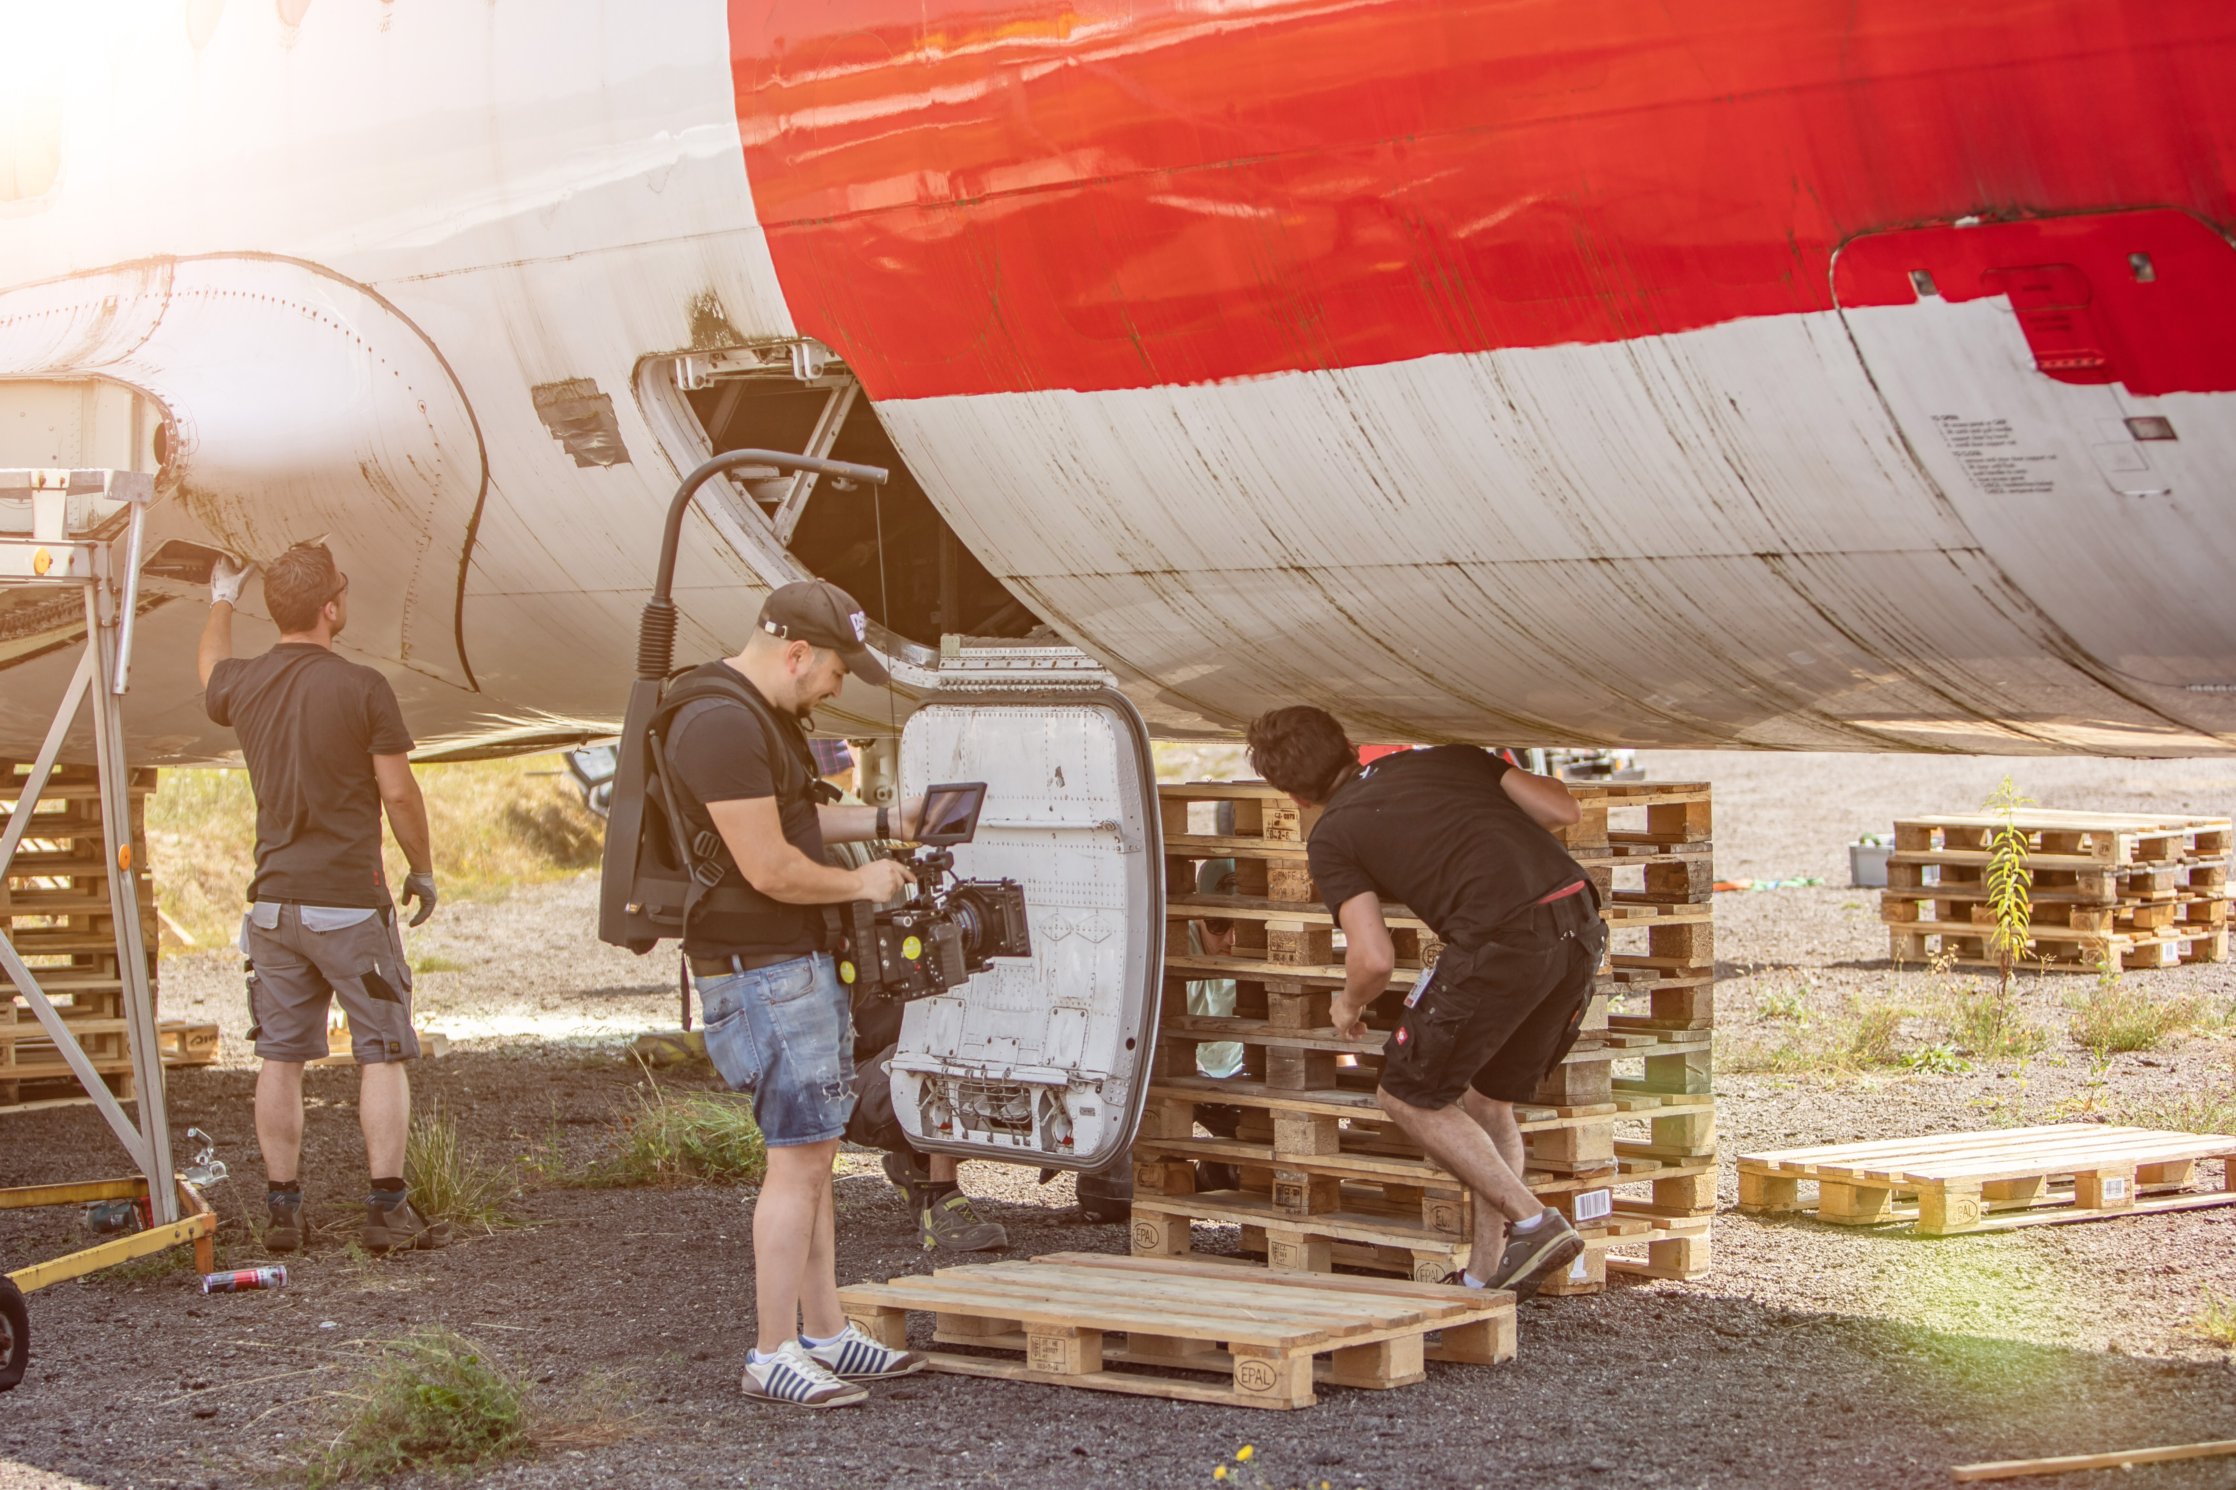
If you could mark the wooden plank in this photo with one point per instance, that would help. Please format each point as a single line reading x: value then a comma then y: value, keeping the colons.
x: 1100, y: 1381
x: 999, y: 1300
x: 2013, y: 1469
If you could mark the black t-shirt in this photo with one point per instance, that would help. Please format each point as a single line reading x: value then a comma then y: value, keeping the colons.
x: 310, y: 724
x: 1435, y: 831
x: 722, y: 753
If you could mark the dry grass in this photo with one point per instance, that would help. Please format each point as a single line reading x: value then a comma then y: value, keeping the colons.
x: 496, y: 824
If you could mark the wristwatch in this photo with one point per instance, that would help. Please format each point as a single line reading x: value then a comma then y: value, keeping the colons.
x: 884, y: 824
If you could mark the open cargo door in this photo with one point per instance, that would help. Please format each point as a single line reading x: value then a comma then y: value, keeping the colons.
x: 1041, y: 1060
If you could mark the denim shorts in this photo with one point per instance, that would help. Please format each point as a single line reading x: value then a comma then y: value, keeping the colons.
x: 784, y: 1033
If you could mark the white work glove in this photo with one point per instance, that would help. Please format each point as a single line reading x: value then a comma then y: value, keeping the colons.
x: 227, y: 579
x: 419, y: 887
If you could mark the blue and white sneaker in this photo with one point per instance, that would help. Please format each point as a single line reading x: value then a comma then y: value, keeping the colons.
x: 791, y: 1375
x: 854, y: 1356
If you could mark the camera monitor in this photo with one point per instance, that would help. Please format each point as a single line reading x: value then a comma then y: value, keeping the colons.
x: 951, y: 813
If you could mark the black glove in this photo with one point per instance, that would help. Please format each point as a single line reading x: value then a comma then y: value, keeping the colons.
x: 420, y: 887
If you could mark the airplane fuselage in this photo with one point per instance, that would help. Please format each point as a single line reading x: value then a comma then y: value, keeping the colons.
x: 1805, y: 376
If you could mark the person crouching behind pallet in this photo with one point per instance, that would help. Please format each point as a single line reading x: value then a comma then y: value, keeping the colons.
x: 777, y: 1021
x: 326, y: 748
x: 1460, y: 838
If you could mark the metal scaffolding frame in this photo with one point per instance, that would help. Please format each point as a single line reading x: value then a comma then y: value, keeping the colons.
x: 72, y: 541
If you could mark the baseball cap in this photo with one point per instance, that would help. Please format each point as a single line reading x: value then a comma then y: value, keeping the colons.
x: 821, y: 614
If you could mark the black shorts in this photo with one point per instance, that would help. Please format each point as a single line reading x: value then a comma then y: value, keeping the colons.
x: 877, y: 1033
x: 1499, y: 1016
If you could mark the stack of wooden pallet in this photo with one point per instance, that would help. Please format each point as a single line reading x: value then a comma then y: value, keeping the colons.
x: 2134, y: 891
x: 54, y: 908
x: 1622, y: 1138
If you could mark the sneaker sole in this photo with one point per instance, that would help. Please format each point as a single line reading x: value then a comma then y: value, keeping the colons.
x: 880, y: 1375
x: 843, y: 1399
x: 1557, y: 1253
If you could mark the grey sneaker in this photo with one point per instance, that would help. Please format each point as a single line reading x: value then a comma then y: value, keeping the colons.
x: 794, y: 1377
x: 1532, y: 1257
x: 950, y: 1224
x: 399, y: 1228
x: 283, y: 1222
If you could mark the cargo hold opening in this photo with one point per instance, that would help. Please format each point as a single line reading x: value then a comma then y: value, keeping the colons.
x: 931, y: 584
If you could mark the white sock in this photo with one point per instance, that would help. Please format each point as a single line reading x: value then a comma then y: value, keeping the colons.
x: 1520, y: 1228
x: 754, y: 1357
x: 1472, y: 1281
x: 812, y: 1343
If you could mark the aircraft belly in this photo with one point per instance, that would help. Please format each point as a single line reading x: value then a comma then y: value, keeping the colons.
x: 1718, y: 537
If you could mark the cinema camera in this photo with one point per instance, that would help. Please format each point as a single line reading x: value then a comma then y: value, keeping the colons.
x: 952, y: 930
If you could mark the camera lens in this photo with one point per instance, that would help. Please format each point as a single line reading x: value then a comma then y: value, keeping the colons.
x: 965, y: 913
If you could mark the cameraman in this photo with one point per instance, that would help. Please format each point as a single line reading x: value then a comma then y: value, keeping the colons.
x: 777, y: 1021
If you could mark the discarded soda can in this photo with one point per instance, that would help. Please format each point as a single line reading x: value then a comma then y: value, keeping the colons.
x: 244, y: 1279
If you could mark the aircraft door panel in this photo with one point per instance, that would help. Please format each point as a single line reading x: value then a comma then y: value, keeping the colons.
x: 1043, y: 1059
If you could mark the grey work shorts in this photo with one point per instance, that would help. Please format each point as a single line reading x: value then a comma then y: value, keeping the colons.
x: 293, y: 973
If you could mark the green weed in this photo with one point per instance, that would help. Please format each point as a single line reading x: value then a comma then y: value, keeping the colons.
x: 1986, y: 1023
x: 432, y: 1399
x: 1937, y: 1060
x: 676, y: 1138
x: 1864, y: 1038
x: 1787, y: 1004
x: 449, y: 1183
x: 2216, y: 1318
x: 2113, y: 1017
x: 436, y: 962
x: 497, y: 825
x: 2212, y: 1110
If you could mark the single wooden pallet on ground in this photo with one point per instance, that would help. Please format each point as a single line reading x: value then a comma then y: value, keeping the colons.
x: 1992, y: 1180
x: 1074, y: 1318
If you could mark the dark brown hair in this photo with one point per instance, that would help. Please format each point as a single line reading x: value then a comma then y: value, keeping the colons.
x: 298, y: 584
x: 1301, y: 750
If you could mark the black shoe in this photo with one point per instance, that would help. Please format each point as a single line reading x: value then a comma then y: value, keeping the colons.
x: 1532, y: 1257
x: 908, y: 1171
x: 1214, y: 1174
x: 283, y: 1221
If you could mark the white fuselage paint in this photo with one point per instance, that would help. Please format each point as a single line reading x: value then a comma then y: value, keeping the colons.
x: 381, y: 229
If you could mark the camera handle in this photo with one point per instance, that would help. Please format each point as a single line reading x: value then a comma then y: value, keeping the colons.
x: 656, y: 629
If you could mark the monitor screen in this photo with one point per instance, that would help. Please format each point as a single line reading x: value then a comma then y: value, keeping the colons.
x: 951, y: 812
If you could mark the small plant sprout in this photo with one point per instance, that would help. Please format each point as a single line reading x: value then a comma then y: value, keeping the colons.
x: 2010, y: 882
x: 2216, y: 1319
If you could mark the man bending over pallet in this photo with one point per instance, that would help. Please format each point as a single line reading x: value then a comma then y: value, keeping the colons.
x: 326, y: 747
x: 1460, y: 838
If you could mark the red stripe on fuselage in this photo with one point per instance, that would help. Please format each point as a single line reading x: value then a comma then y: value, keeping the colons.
x: 969, y: 198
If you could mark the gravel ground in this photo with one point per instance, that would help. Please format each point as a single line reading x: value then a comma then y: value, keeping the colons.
x: 1810, y: 1355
